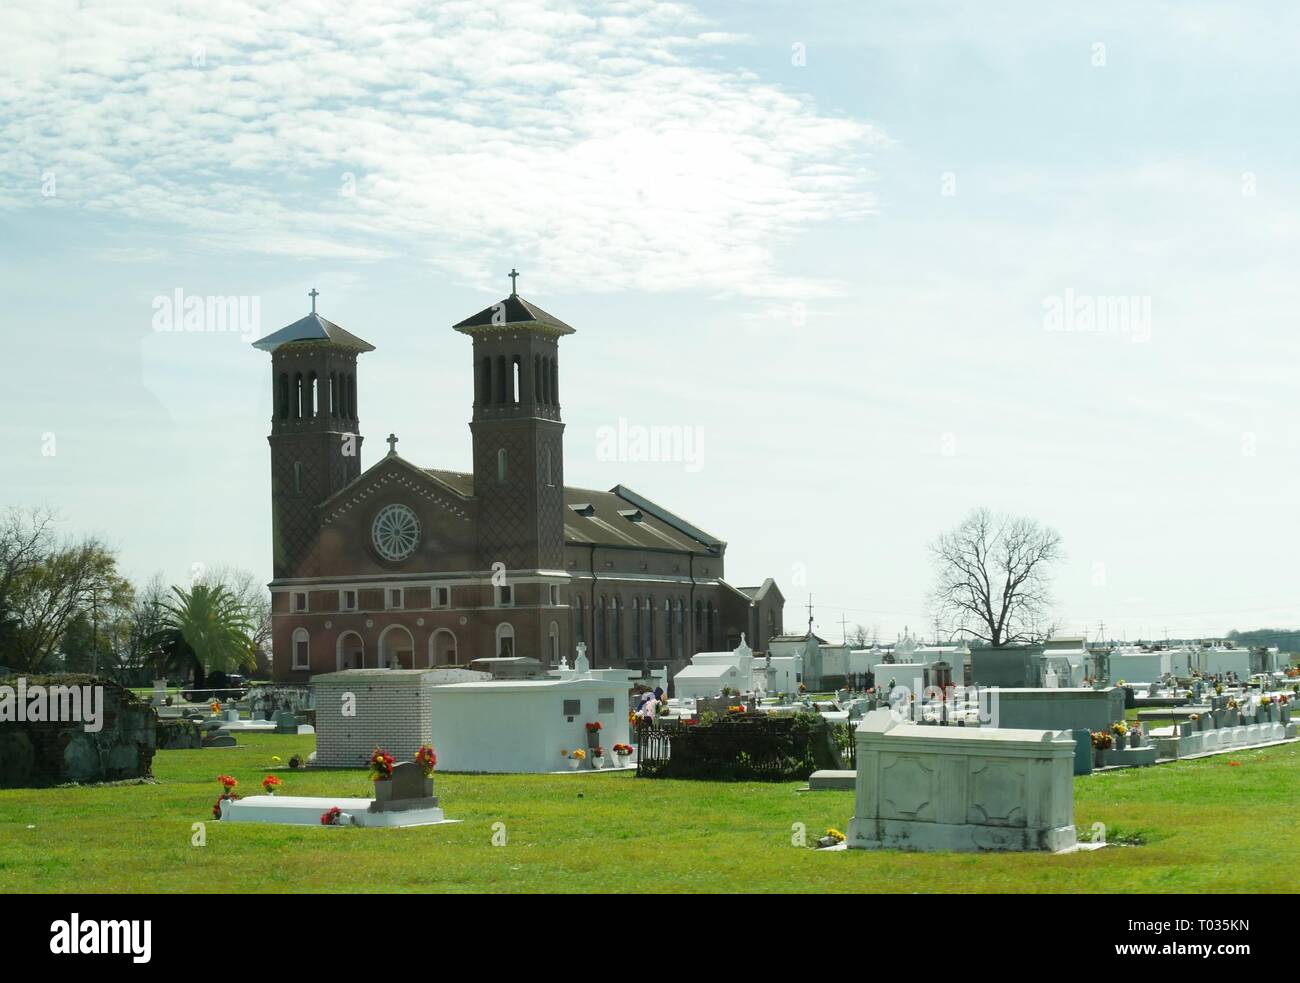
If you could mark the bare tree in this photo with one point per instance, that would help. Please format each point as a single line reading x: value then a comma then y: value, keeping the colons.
x: 992, y: 578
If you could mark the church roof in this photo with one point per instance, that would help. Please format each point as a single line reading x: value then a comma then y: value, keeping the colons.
x: 516, y: 311
x: 313, y: 327
x: 604, y: 518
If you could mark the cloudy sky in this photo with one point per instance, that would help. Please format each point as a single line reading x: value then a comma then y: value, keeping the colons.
x: 883, y: 262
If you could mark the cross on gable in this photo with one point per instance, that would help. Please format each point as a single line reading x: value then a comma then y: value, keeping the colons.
x: 514, y: 275
x: 313, y: 294
x: 392, y: 443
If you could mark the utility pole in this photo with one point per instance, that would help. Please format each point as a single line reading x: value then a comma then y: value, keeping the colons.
x: 844, y: 628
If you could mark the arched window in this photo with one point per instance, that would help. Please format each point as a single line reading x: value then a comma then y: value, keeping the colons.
x: 649, y: 643
x: 697, y: 636
x: 505, y: 640
x: 579, y: 628
x: 301, y: 649
x: 537, y: 379
x: 503, y: 466
x: 297, y: 477
x: 352, y: 396
x: 501, y: 398
x: 553, y: 643
x: 668, y: 627
x: 555, y: 382
x: 679, y: 618
x: 350, y: 651
x: 396, y: 648
x: 283, y: 397
x: 516, y: 382
x: 334, y: 395
x: 314, y: 404
x: 546, y: 381
x: 615, y: 630
x: 442, y: 648
x: 598, y: 627
x: 297, y: 396
x: 635, y: 651
x: 712, y: 621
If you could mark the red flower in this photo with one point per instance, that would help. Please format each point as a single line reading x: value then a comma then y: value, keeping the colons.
x: 593, y: 726
x: 270, y: 783
x: 227, y: 782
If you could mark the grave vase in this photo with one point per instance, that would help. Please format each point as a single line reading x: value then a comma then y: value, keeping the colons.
x: 593, y: 738
x: 1119, y: 741
x: 597, y: 763
x: 1285, y: 711
x: 1135, y: 738
x: 574, y: 764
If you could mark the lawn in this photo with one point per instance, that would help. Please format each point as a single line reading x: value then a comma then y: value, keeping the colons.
x: 1203, y: 826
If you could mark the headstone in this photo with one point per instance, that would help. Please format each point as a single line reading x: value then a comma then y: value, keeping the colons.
x: 582, y: 664
x: 286, y: 722
x: 407, y: 789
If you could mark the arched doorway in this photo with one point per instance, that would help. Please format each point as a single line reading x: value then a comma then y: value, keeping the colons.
x: 442, y: 648
x: 505, y: 640
x: 350, y: 652
x: 396, y: 648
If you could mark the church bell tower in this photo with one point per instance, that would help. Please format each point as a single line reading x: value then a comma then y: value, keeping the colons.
x: 315, y: 436
x: 517, y: 434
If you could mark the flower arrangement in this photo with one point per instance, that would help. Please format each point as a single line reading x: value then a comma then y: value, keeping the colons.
x: 270, y: 783
x: 598, y: 751
x: 1121, y: 683
x: 803, y: 688
x: 1102, y: 741
x: 381, y: 765
x: 579, y: 754
x: 1195, y: 716
x: 736, y: 709
x: 427, y: 759
x: 623, y: 750
x: 1283, y: 700
x: 228, y: 784
x: 1265, y: 700
x: 215, y: 707
x: 594, y: 727
x: 835, y: 835
x: 330, y: 817
x: 631, y: 718
x: 1119, y: 727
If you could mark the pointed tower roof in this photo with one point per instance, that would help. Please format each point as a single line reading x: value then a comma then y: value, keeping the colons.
x: 514, y: 312
x: 313, y: 327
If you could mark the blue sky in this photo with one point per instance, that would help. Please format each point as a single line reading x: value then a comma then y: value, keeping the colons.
x: 824, y: 234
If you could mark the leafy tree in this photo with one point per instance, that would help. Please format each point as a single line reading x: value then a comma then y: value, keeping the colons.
x: 205, y: 628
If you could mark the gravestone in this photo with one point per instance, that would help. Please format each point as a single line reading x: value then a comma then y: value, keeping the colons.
x: 286, y: 722
x: 407, y: 789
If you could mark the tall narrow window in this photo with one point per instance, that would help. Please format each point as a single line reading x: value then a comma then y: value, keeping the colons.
x: 352, y: 397
x: 649, y: 629
x: 334, y: 395
x: 297, y: 396
x: 679, y: 622
x: 537, y: 379
x: 615, y: 629
x: 579, y: 627
x: 516, y: 382
x: 502, y: 466
x: 501, y: 381
x: 636, y: 627
x: 555, y: 382
x: 297, y: 477
x: 546, y: 381
x: 284, y: 396
x: 711, y: 623
x: 314, y: 405
x: 485, y: 381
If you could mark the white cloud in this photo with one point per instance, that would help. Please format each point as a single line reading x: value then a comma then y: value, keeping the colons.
x: 578, y: 140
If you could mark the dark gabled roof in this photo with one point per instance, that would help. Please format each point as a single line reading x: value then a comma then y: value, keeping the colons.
x: 606, y: 520
x: 315, y: 328
x: 514, y: 311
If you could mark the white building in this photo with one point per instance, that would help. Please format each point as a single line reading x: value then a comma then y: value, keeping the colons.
x: 522, y: 726
x: 710, y: 672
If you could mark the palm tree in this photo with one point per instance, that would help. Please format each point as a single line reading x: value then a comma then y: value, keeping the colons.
x: 204, y: 629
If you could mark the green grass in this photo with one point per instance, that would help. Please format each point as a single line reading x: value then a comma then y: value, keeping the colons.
x: 1205, y: 826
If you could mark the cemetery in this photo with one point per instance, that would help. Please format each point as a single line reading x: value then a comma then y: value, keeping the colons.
x: 1035, y: 780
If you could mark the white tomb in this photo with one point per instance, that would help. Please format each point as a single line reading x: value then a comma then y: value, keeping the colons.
x: 959, y: 788
x: 710, y: 672
x: 522, y: 726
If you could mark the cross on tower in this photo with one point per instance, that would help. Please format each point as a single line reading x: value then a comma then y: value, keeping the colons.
x: 514, y: 274
x: 392, y: 443
x: 810, y: 616
x: 313, y: 294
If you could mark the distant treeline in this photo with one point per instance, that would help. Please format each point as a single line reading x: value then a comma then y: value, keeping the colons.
x: 1287, y: 640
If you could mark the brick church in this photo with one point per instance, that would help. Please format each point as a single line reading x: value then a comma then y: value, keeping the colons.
x: 413, y: 567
